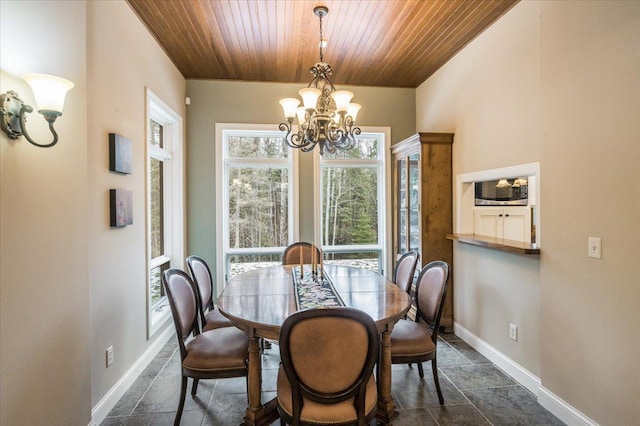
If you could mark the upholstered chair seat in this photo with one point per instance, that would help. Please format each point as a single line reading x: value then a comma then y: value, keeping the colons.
x: 216, y: 351
x: 214, y: 354
x: 314, y: 412
x: 417, y: 341
x: 410, y: 338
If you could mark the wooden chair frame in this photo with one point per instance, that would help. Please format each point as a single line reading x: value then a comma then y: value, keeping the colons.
x: 183, y: 332
x: 205, y: 305
x: 434, y: 325
x: 290, y: 256
x: 406, y: 286
x: 356, y: 390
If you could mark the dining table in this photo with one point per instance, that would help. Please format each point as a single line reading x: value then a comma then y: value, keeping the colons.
x: 258, y: 302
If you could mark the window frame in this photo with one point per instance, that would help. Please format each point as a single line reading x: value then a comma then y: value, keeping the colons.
x: 171, y: 155
x: 384, y: 194
x: 223, y: 251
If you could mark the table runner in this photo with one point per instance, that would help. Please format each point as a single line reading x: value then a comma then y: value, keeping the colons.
x: 314, y: 291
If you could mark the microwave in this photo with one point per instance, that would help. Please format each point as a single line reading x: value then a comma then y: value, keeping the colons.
x: 502, y: 192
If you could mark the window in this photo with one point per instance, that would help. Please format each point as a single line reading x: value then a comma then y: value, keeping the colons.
x: 257, y: 196
x: 353, y: 203
x: 165, y: 204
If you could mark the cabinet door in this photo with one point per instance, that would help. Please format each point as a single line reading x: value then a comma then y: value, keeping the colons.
x: 516, y: 224
x: 413, y: 210
x: 487, y: 221
x: 401, y: 203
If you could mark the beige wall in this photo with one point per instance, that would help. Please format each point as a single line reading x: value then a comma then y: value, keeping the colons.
x: 70, y: 285
x: 123, y: 60
x: 489, y: 96
x: 590, y: 158
x: 251, y: 102
x: 555, y: 82
x: 44, y: 291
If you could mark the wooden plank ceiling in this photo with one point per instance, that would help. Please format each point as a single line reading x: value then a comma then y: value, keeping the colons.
x: 392, y: 43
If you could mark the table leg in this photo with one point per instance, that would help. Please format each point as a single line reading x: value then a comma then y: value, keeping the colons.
x: 257, y: 414
x: 386, y: 406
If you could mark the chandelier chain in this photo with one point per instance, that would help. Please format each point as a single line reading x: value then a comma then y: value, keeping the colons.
x: 321, y: 56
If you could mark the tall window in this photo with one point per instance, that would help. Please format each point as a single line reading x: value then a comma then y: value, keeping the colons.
x: 353, y: 203
x: 165, y: 204
x: 257, y: 196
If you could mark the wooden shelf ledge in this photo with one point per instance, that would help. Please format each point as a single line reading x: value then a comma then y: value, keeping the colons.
x: 496, y: 243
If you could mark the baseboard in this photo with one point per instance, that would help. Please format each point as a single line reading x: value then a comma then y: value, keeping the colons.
x: 512, y: 368
x: 102, y: 408
x: 562, y: 410
x: 547, y: 399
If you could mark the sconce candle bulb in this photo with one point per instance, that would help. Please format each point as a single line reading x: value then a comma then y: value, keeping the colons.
x: 49, y: 92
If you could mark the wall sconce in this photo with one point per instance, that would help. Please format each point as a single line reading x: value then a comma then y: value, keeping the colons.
x: 49, y: 92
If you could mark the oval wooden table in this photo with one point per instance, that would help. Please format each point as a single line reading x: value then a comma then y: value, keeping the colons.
x: 259, y: 301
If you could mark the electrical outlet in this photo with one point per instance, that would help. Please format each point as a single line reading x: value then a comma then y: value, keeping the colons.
x: 513, y: 332
x: 595, y: 247
x: 109, y: 356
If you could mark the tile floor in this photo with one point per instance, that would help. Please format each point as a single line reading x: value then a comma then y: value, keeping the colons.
x: 475, y: 392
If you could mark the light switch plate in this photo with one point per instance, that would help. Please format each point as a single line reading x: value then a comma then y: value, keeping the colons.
x: 595, y: 247
x: 513, y: 332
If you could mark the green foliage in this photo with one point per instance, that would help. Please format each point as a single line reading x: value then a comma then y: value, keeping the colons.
x: 350, y: 205
x: 259, y: 203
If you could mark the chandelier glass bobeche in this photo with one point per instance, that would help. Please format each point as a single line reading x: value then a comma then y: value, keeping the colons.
x: 327, y: 117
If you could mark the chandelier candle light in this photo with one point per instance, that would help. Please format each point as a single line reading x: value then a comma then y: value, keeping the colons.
x: 328, y: 116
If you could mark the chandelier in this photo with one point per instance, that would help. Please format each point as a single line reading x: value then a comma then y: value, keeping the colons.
x: 328, y: 117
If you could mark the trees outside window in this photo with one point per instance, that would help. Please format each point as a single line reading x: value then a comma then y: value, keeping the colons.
x: 353, y: 203
x: 257, y: 198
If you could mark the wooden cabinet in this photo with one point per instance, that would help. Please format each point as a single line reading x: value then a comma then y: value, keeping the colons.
x: 422, y: 207
x: 509, y: 223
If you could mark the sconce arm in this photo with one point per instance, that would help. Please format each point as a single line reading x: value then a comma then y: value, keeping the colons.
x: 50, y: 116
x: 13, y: 121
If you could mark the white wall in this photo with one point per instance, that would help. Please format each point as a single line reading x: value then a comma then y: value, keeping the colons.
x: 123, y: 60
x: 44, y: 290
x: 556, y: 82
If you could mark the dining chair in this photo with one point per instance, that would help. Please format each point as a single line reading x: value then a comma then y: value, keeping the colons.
x: 417, y: 341
x: 214, y: 354
x: 405, y: 270
x: 210, y: 317
x: 325, y: 377
x: 291, y: 255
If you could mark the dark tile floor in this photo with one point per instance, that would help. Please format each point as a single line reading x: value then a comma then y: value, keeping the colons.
x: 475, y: 392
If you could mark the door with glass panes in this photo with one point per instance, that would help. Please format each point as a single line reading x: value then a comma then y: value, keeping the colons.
x: 406, y: 202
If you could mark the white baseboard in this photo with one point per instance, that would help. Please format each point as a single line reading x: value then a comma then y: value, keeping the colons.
x: 547, y: 399
x: 512, y: 368
x: 562, y: 410
x: 102, y: 408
